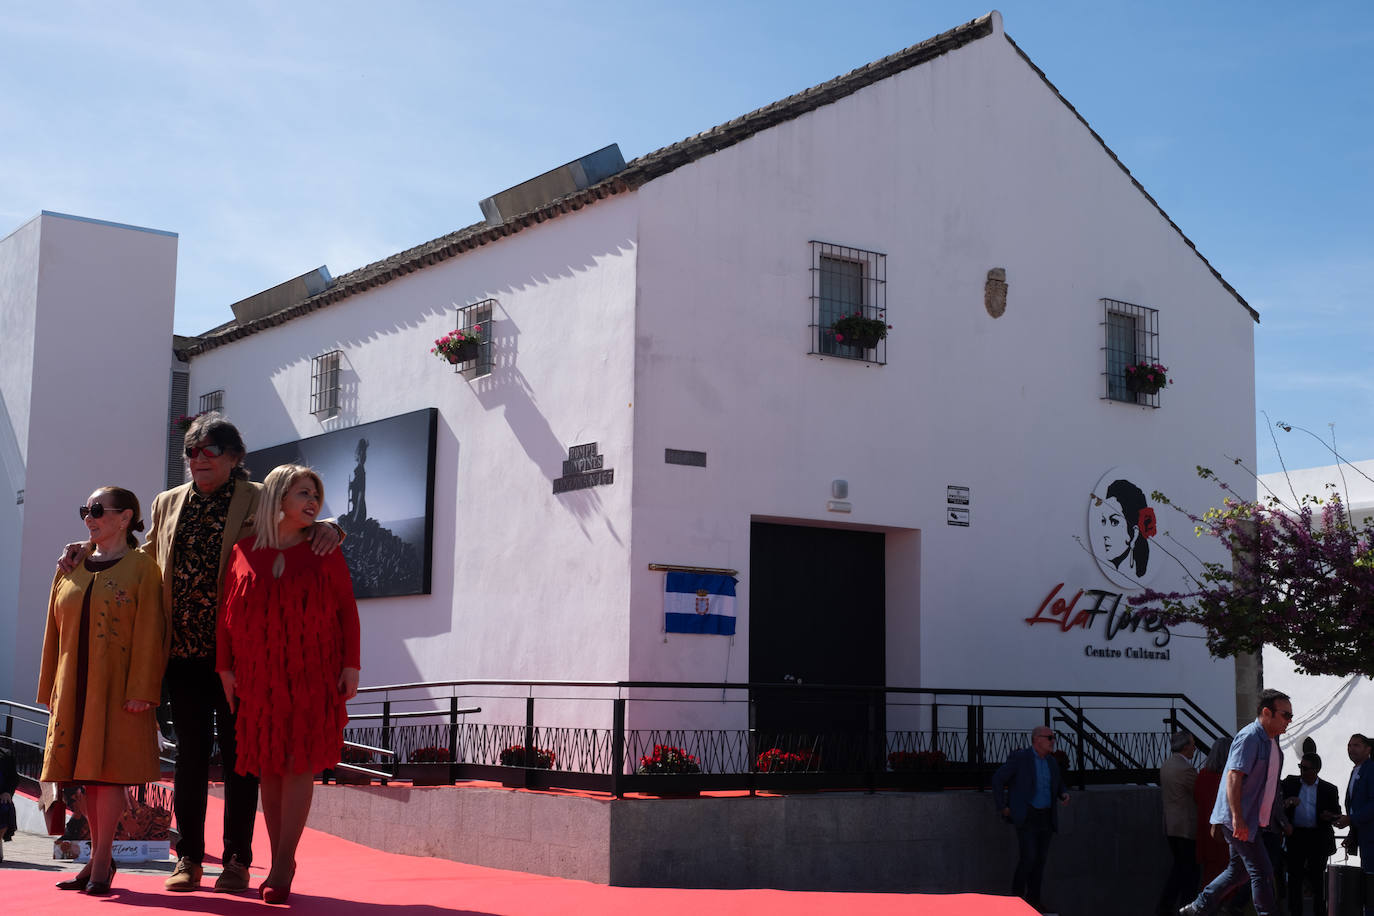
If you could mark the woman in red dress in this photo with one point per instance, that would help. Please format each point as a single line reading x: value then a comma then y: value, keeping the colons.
x: 1212, y: 851
x: 288, y: 654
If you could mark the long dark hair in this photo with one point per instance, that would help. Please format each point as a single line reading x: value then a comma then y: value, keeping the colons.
x: 1132, y: 501
x: 125, y: 499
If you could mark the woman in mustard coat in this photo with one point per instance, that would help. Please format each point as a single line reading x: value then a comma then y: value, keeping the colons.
x: 103, y: 656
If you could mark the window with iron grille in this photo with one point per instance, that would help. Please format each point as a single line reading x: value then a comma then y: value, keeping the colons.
x: 212, y: 401
x: 1132, y: 337
x: 324, y: 383
x: 845, y: 282
x: 476, y: 319
x: 177, y: 405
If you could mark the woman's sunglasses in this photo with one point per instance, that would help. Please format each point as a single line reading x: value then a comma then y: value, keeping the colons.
x: 210, y: 451
x: 95, y: 511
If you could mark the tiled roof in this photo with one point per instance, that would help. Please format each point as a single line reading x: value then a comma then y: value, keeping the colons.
x: 645, y: 169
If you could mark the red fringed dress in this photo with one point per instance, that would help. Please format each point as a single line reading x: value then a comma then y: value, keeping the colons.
x: 286, y: 639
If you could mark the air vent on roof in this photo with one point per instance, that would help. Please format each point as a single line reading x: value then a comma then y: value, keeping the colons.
x: 540, y: 190
x: 282, y: 295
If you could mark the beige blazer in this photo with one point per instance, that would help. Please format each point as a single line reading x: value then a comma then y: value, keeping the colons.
x: 166, y: 512
x: 1176, y: 778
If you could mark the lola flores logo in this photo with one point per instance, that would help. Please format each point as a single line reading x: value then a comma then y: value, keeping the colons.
x: 1121, y: 523
x: 1111, y: 608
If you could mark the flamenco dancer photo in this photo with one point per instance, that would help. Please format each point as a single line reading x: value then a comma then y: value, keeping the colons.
x: 288, y: 655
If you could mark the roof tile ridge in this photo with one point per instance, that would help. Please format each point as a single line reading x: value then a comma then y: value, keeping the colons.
x: 1135, y: 181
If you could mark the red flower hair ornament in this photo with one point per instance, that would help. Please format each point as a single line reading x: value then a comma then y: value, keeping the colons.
x: 1145, y: 522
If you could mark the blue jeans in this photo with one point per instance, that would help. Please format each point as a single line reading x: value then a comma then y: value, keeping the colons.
x: 1249, y: 862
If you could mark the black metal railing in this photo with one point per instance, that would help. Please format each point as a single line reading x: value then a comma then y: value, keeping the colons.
x: 644, y: 736
x: 675, y: 737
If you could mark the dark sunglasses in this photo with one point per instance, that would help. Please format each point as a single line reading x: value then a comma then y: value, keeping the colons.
x: 210, y: 451
x: 95, y: 511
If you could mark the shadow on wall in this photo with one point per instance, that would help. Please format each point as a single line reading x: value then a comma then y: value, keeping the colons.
x: 508, y: 388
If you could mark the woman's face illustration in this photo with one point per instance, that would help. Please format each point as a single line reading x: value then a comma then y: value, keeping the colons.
x: 1113, y: 537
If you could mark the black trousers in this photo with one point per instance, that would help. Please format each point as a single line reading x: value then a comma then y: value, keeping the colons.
x: 1184, y: 875
x: 1033, y: 842
x: 1307, y: 860
x: 199, y: 713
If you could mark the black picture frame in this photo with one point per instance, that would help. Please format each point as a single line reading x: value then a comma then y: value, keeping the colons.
x: 389, y: 518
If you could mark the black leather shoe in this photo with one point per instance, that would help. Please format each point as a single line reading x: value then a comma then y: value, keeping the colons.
x: 99, y: 888
x: 78, y: 883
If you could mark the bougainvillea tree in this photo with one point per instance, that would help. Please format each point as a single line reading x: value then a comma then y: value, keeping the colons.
x: 1301, y: 579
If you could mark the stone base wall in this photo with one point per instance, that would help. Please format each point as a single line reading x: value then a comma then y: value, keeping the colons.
x: 1110, y: 840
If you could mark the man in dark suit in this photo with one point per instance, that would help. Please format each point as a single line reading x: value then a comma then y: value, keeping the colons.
x: 1359, y: 807
x: 1024, y: 790
x: 1313, y: 805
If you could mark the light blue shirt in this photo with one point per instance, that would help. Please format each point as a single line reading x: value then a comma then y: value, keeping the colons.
x: 1250, y: 752
x: 1305, y: 814
x: 1041, y: 798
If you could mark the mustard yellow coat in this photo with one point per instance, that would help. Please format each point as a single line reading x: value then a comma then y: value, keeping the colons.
x: 126, y: 657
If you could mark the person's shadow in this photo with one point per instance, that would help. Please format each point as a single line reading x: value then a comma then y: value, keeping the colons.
x: 300, y: 904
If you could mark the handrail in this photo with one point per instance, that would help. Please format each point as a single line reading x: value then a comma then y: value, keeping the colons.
x: 420, y: 714
x: 749, y: 685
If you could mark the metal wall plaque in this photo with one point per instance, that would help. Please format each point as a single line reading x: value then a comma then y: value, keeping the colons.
x: 683, y: 456
x: 956, y: 496
x: 583, y: 468
x: 956, y: 516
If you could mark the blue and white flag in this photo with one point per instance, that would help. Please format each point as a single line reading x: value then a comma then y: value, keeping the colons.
x: 699, y: 603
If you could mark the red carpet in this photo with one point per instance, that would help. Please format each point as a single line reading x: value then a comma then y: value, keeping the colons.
x: 339, y: 878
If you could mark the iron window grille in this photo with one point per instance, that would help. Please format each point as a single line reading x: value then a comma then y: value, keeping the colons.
x: 472, y: 318
x: 212, y: 401
x: 178, y: 404
x: 1131, y: 337
x: 324, y: 383
x: 846, y: 281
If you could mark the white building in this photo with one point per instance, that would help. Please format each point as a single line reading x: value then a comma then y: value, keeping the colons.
x: 896, y: 514
x: 85, y: 320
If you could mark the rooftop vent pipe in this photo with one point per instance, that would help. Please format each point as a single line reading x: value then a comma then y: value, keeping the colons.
x: 542, y: 189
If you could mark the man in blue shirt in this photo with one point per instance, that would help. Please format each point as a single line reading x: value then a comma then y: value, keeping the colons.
x: 1244, y: 802
x: 1034, y: 781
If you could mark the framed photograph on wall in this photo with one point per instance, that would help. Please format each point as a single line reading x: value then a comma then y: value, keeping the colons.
x: 379, y: 487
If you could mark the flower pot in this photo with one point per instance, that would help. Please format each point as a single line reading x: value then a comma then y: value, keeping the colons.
x: 1139, y: 384
x: 426, y: 774
x: 862, y: 341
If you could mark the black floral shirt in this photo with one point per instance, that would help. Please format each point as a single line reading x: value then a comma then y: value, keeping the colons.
x: 195, y: 572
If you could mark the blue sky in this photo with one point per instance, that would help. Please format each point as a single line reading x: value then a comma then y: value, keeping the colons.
x: 276, y: 137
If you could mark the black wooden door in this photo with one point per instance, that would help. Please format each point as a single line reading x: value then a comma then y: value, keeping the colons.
x: 816, y: 613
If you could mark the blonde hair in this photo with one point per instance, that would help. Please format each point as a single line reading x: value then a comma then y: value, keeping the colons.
x: 273, y: 493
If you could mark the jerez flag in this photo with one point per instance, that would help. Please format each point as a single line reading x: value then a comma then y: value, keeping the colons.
x: 699, y: 603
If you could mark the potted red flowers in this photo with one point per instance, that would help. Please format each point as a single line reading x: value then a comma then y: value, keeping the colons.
x: 427, y: 766
x: 857, y: 331
x: 776, y: 760
x: 459, y: 346
x: 1147, y: 378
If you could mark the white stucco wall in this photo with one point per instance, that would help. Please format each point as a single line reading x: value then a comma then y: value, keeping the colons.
x: 526, y: 584
x: 18, y: 310
x: 954, y: 167
x: 675, y: 316
x: 94, y: 322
